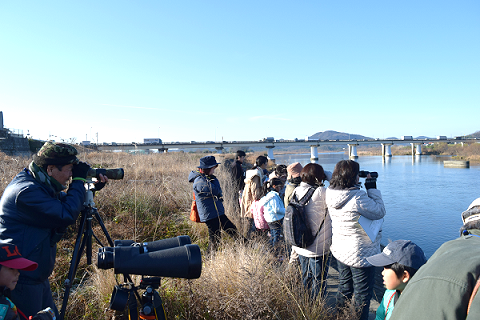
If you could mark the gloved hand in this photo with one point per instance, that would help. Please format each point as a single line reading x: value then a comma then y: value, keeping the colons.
x: 80, y: 170
x: 99, y: 186
x: 370, y: 183
x: 45, y: 314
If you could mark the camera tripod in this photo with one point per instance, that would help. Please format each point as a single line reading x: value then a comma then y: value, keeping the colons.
x: 83, y: 241
x: 152, y: 306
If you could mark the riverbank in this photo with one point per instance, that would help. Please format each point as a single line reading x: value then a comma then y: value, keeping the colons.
x: 240, y: 281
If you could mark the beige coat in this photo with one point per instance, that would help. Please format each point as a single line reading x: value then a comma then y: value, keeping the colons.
x: 253, y: 191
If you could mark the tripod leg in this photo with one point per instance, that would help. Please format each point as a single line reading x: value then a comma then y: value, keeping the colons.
x: 102, y: 225
x: 88, y: 239
x: 158, y: 305
x: 77, y: 252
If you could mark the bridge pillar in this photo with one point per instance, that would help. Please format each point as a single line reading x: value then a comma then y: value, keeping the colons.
x: 419, y: 149
x: 313, y: 153
x: 270, y: 153
x: 352, y: 151
x: 416, y: 149
x: 164, y: 150
x: 219, y: 149
x: 386, y: 149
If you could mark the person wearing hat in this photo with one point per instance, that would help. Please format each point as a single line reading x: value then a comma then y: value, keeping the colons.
x: 293, y: 181
x: 34, y: 214
x: 209, y: 198
x: 446, y: 286
x: 400, y: 261
x: 10, y: 262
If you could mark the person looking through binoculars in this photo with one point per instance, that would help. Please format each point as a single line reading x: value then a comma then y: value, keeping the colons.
x: 348, y: 207
x: 35, y: 212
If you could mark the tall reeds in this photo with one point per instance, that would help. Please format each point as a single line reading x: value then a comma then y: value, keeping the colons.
x: 239, y: 281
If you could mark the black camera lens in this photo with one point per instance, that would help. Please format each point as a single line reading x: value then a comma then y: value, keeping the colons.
x: 364, y: 174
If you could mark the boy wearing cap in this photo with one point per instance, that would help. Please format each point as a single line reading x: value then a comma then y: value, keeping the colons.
x: 10, y: 262
x: 34, y: 214
x: 400, y: 261
x: 446, y: 286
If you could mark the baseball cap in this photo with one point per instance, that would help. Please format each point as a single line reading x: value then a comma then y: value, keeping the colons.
x: 10, y: 257
x: 404, y: 252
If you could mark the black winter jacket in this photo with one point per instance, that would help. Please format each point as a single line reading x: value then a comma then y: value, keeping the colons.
x: 34, y: 218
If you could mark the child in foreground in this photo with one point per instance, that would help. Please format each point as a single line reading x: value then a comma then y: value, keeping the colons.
x: 400, y: 260
x: 10, y: 262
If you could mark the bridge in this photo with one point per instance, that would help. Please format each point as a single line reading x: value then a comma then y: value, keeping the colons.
x: 271, y: 144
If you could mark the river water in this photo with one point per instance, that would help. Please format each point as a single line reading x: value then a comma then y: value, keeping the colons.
x: 423, y: 200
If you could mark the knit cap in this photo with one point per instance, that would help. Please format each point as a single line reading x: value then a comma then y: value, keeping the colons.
x: 293, y: 170
x: 473, y: 212
x: 53, y: 153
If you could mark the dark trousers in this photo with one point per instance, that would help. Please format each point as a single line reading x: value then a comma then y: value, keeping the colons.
x: 31, y: 298
x: 314, y: 274
x: 214, y: 230
x: 276, y: 232
x: 358, y: 281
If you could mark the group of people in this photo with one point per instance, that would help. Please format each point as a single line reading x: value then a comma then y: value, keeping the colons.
x: 35, y: 211
x: 334, y: 215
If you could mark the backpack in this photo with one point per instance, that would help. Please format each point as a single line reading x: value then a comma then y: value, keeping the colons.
x: 194, y: 210
x: 295, y: 228
x: 258, y: 218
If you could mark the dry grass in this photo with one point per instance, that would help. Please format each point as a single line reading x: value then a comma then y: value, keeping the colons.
x: 240, y: 281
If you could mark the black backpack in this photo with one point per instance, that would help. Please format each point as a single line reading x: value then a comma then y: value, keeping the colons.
x: 295, y: 228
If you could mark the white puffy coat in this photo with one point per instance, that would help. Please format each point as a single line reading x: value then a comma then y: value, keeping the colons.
x: 350, y: 243
x: 316, y: 212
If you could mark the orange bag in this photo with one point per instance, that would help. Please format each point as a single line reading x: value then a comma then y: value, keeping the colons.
x: 194, y: 211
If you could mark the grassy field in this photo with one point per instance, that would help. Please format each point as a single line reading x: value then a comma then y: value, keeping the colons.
x: 152, y: 202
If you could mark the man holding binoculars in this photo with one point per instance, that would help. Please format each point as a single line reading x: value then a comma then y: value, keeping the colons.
x: 35, y: 212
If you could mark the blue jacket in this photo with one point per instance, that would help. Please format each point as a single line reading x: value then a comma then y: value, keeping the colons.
x: 385, y: 309
x: 273, y: 208
x: 34, y: 218
x: 208, y: 195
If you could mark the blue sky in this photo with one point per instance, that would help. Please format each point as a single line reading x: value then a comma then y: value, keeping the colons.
x: 239, y: 70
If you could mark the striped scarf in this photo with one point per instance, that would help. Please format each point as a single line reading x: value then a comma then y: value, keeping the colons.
x: 41, y: 176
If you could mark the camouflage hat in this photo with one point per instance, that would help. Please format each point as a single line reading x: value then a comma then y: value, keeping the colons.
x: 55, y: 153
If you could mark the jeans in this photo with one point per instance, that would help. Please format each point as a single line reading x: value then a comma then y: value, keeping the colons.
x: 314, y: 274
x: 214, y: 227
x: 276, y: 232
x: 358, y: 281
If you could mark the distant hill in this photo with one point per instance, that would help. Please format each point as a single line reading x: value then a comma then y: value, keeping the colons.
x: 474, y: 135
x: 334, y: 135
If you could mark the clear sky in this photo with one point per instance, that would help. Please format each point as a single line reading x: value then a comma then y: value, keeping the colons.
x: 239, y: 70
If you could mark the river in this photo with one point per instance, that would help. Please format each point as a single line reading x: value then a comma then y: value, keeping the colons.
x: 423, y: 200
